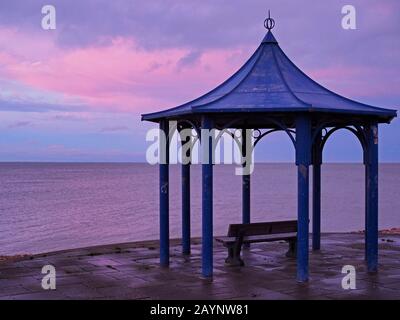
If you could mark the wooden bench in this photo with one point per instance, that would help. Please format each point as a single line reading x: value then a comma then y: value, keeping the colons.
x: 239, y: 234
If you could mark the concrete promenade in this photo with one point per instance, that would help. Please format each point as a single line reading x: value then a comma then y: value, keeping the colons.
x: 131, y: 271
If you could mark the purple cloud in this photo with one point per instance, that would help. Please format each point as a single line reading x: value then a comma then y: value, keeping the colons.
x: 191, y: 58
x: 19, y: 124
x: 205, y: 24
x: 25, y: 106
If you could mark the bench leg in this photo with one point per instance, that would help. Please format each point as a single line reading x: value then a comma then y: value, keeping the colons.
x: 292, y: 252
x: 233, y: 258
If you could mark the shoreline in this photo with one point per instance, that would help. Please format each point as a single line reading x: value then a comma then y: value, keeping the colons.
x: 153, y: 244
x: 94, y: 250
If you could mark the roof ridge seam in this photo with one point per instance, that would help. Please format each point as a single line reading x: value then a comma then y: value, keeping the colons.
x: 284, y: 81
x: 240, y: 82
x: 227, y: 80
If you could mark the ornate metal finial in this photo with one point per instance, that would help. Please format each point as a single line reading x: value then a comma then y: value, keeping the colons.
x: 269, y: 23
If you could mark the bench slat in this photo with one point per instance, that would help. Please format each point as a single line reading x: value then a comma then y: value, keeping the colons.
x: 270, y: 237
x: 262, y: 228
x: 260, y: 238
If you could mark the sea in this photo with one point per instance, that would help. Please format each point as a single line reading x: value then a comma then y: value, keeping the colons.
x: 55, y: 206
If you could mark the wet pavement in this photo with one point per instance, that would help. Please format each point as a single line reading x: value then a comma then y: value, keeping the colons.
x: 131, y: 271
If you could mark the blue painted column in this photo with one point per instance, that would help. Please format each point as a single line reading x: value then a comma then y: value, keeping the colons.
x: 245, y: 183
x: 164, y: 193
x: 186, y: 202
x: 317, y: 161
x: 207, y: 197
x: 303, y: 159
x: 372, y: 199
x: 366, y: 197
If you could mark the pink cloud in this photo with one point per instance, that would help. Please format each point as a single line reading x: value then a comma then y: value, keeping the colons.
x: 120, y: 76
x: 25, y: 46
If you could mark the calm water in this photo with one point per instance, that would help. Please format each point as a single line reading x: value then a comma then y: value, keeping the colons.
x: 45, y: 207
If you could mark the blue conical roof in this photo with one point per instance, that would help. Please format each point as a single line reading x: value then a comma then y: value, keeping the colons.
x: 269, y: 82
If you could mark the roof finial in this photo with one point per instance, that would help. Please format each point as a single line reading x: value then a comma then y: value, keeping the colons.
x: 269, y: 23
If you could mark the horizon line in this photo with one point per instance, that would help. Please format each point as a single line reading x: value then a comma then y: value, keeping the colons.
x: 143, y: 162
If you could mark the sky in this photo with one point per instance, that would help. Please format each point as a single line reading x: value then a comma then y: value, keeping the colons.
x: 76, y: 93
